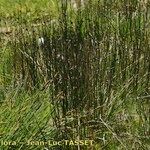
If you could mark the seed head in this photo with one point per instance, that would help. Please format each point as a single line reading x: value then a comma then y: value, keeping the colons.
x: 40, y: 41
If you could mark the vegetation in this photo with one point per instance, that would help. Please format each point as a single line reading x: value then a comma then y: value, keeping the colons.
x: 71, y: 74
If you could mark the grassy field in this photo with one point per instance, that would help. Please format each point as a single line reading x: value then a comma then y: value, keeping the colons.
x: 75, y: 74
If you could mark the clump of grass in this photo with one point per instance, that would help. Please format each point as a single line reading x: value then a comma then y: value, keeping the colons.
x: 94, y: 66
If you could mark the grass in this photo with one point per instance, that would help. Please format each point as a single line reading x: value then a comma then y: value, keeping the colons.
x: 89, y: 80
x: 25, y: 117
